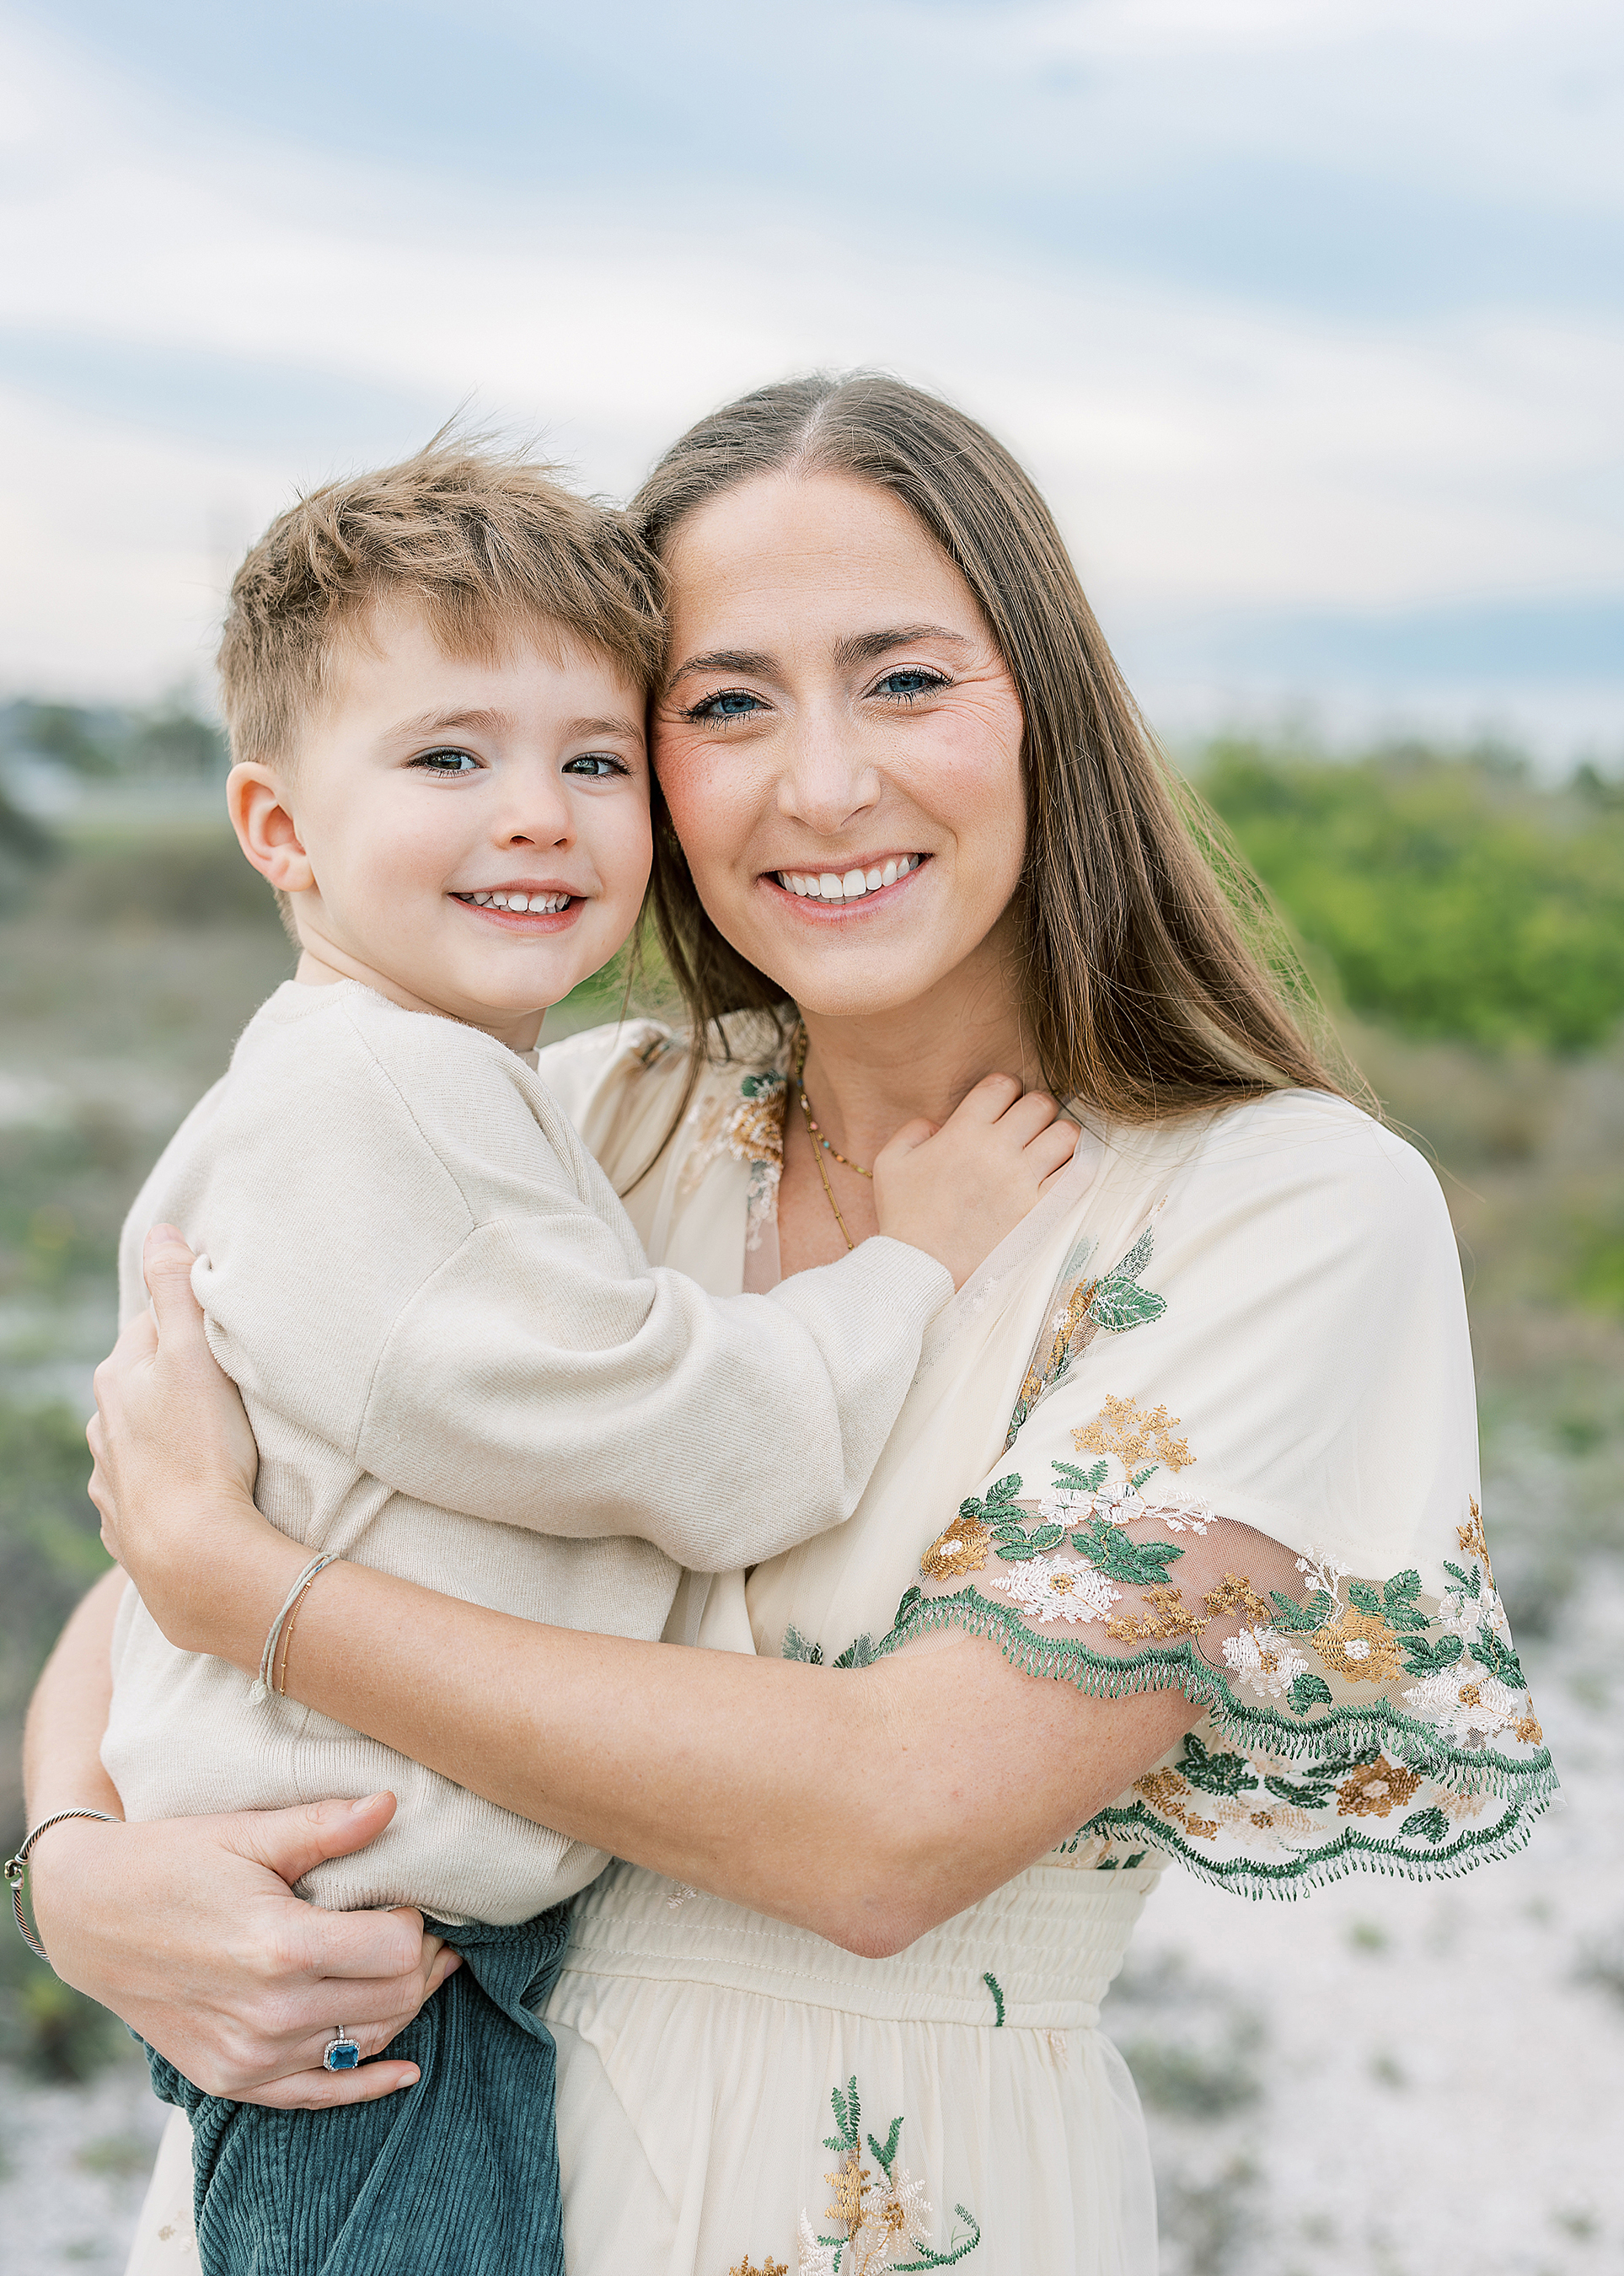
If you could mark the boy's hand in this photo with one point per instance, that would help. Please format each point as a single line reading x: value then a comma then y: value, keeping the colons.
x: 956, y: 1191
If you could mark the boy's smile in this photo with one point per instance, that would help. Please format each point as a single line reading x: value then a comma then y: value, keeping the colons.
x: 467, y: 835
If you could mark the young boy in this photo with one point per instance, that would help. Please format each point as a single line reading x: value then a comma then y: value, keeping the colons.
x: 458, y: 1364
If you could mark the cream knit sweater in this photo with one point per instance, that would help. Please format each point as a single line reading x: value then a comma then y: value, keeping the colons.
x: 461, y: 1369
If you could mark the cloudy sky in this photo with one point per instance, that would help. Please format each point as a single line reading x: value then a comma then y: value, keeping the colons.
x: 1308, y: 314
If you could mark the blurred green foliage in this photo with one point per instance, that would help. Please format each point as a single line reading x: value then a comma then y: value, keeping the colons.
x: 169, y: 738
x: 1452, y: 895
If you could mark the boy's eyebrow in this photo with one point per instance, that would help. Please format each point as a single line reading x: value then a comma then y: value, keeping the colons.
x: 485, y: 722
x: 858, y: 647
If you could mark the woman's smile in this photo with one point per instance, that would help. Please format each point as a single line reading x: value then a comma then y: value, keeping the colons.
x: 862, y: 880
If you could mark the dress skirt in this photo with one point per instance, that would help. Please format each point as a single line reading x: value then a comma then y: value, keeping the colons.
x: 737, y: 2097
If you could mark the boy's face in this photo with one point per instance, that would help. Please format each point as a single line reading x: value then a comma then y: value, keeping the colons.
x: 427, y: 786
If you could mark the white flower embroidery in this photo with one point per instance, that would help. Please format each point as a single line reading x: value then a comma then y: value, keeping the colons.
x: 1066, y: 1506
x: 1186, y: 1516
x: 1119, y: 1505
x: 1464, y: 1615
x: 1264, y: 1662
x: 1059, y: 1588
x: 1466, y: 1701
x: 813, y: 2258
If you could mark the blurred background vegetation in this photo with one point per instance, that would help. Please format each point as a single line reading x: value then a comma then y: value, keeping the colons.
x: 1462, y: 917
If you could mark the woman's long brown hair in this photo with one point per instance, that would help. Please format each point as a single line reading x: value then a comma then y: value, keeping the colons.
x: 1149, y: 987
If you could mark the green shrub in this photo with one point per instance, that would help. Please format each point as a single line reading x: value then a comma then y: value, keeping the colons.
x: 1451, y: 895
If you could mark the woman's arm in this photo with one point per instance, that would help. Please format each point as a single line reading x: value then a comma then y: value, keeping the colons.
x: 867, y: 1805
x: 188, y: 1930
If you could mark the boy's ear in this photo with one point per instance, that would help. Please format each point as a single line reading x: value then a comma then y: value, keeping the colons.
x: 266, y: 827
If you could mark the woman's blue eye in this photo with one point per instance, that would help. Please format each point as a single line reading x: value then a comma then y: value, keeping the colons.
x: 596, y: 765
x: 447, y: 763
x: 904, y: 685
x: 732, y: 704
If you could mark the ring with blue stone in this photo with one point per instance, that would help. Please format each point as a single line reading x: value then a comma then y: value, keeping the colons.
x: 341, y: 2053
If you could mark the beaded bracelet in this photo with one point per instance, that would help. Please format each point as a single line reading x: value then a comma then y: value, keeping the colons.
x: 259, y: 1690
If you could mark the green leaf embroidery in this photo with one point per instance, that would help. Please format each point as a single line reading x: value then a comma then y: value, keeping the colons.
x: 1215, y: 1773
x: 1301, y: 1619
x: 1309, y: 1691
x: 1120, y: 1305
x: 795, y: 1646
x: 1430, y: 1656
x: 1069, y: 1479
x: 858, y: 1653
x: 1426, y: 1825
x: 1138, y: 1564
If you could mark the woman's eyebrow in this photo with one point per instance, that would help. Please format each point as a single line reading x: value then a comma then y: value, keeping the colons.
x: 754, y: 661
x: 868, y: 648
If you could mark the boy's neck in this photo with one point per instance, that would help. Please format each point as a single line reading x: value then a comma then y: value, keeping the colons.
x: 321, y: 964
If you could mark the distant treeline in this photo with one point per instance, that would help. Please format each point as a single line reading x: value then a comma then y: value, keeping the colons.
x: 106, y: 740
x: 1444, y: 893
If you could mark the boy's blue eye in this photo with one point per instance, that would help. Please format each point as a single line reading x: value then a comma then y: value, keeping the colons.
x: 446, y: 762
x: 596, y: 765
x: 905, y: 685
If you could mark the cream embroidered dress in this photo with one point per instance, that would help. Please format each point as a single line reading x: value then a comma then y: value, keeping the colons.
x: 1206, y: 1422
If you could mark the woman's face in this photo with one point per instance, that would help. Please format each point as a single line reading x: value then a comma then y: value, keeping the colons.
x: 839, y: 743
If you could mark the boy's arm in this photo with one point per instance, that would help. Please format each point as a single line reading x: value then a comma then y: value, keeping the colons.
x: 533, y: 1382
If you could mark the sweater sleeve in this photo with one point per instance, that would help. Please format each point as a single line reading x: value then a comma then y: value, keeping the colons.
x: 412, y: 1256
x: 537, y: 1380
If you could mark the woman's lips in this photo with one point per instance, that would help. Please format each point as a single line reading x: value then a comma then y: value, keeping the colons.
x: 858, y: 883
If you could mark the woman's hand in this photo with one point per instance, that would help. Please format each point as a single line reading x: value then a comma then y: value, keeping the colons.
x: 176, y: 1463
x: 188, y: 1929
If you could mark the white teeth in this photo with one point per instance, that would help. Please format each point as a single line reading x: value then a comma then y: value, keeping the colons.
x: 827, y: 886
x: 518, y: 904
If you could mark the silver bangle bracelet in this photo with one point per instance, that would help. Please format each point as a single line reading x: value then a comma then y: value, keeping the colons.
x: 16, y: 1867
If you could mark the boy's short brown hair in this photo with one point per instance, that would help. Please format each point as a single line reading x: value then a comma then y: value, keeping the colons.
x: 481, y: 540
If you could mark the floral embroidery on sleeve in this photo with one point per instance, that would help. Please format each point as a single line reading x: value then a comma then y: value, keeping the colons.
x: 1082, y: 1306
x: 1350, y: 1721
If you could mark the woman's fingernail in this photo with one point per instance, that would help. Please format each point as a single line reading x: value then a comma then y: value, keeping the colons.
x: 366, y: 1801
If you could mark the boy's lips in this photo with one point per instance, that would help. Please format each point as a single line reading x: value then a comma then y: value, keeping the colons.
x: 522, y: 904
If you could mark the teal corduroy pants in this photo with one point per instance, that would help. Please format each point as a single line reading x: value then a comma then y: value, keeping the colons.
x: 457, y: 2174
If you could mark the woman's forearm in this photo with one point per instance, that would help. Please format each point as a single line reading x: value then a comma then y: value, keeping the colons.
x: 62, y: 1740
x: 868, y: 1805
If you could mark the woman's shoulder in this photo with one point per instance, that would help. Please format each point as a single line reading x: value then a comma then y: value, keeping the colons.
x: 616, y: 1082
x: 624, y: 1085
x: 1305, y: 1156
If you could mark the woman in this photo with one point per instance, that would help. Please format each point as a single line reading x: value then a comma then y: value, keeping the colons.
x: 1197, y: 1444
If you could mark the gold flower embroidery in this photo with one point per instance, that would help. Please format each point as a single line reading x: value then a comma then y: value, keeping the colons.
x: 1067, y: 1324
x: 1235, y: 1594
x: 1134, y: 1434
x: 769, y: 2267
x: 1474, y: 1542
x: 1162, y: 1790
x: 963, y: 1548
x: 1203, y: 1828
x: 1530, y: 1730
x: 849, y: 2182
x: 1361, y: 1648
x: 1374, y: 1788
x: 1168, y: 1616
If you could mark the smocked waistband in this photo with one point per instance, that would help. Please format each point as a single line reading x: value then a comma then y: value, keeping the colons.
x: 1037, y: 1955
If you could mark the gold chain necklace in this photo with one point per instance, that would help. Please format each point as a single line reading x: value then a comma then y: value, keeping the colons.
x: 820, y: 1145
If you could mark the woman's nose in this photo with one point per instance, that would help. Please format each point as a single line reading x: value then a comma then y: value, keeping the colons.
x: 826, y: 778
